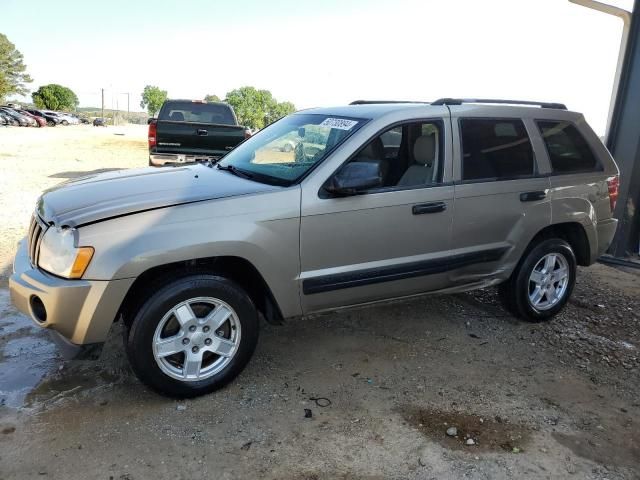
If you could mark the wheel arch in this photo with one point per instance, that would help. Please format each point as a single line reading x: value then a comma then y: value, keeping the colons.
x: 237, y: 269
x: 573, y: 233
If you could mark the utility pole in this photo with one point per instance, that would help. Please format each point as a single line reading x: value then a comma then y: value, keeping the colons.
x: 128, y: 111
x: 102, y: 89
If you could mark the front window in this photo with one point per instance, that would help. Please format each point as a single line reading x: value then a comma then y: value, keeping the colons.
x: 408, y: 155
x: 284, y: 151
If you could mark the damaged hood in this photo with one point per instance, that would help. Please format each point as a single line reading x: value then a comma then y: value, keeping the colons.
x: 107, y: 195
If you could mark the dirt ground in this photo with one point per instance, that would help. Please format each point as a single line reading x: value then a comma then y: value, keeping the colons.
x: 364, y: 394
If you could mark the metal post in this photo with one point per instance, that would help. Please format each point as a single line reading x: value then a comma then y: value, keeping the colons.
x: 625, y: 16
x: 102, y: 89
x: 624, y: 144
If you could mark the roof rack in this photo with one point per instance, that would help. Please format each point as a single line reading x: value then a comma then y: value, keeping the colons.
x: 460, y: 101
x: 374, y: 102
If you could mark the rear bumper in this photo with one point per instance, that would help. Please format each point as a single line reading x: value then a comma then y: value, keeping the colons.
x: 606, y: 230
x: 81, y: 311
x: 160, y: 159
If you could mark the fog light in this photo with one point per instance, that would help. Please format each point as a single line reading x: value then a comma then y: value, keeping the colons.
x: 37, y: 309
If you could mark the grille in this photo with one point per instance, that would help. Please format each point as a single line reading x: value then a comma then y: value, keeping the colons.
x: 36, y: 229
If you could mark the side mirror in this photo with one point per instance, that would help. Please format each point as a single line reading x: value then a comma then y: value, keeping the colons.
x: 149, y: 120
x: 354, y: 178
x: 301, y: 132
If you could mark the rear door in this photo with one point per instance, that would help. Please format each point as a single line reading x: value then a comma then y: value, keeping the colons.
x: 502, y: 197
x: 197, y: 128
x: 387, y: 242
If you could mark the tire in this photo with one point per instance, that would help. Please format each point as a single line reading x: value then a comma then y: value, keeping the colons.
x: 164, y: 324
x: 524, y: 294
x: 51, y: 123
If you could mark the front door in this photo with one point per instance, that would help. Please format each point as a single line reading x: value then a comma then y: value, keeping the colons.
x: 386, y: 242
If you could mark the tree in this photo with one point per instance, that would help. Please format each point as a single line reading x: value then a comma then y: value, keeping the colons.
x: 280, y: 110
x: 257, y: 108
x: 152, y: 99
x: 55, y: 97
x: 12, y: 70
x: 212, y: 98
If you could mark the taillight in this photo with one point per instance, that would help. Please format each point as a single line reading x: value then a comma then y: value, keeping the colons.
x: 614, y: 187
x: 153, y: 128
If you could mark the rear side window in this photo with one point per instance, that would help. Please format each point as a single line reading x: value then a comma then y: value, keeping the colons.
x: 495, y: 149
x: 568, y: 150
x: 195, y: 112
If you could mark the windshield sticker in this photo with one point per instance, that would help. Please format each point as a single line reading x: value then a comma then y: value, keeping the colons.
x: 339, y: 123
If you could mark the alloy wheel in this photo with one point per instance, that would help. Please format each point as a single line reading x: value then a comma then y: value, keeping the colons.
x: 548, y: 281
x: 196, y: 339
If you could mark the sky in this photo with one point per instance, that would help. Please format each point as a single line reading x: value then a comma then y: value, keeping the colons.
x: 322, y: 53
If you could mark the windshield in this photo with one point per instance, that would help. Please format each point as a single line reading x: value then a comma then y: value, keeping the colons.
x: 287, y: 149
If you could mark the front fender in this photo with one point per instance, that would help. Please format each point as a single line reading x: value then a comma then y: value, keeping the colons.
x: 262, y: 229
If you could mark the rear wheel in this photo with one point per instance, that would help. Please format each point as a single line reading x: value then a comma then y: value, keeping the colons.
x: 542, y: 283
x: 193, y: 336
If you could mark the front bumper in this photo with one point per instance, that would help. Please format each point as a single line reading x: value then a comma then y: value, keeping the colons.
x: 81, y: 311
x: 160, y: 159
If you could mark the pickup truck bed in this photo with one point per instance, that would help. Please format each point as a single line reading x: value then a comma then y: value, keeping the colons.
x: 189, y: 131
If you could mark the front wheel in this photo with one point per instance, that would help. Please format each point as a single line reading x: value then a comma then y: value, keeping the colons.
x: 192, y: 336
x: 542, y: 283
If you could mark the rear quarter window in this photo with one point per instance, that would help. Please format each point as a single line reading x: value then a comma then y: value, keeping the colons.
x: 196, y: 112
x: 568, y: 150
x: 495, y: 149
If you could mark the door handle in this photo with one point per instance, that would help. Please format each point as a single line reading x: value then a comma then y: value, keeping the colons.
x: 423, y: 208
x: 533, y: 196
x: 202, y: 132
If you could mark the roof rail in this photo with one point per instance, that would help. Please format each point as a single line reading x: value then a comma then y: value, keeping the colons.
x: 373, y: 102
x: 460, y: 101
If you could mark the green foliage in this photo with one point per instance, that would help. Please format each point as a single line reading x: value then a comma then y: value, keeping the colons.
x: 55, y: 97
x: 212, y: 98
x: 257, y: 108
x: 12, y: 70
x: 280, y: 110
x: 152, y: 99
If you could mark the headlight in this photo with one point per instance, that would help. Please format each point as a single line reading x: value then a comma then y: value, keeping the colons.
x: 59, y: 256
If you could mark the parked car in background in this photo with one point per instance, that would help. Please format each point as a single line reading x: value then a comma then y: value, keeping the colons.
x: 10, y: 121
x: 51, y: 120
x: 39, y: 120
x: 72, y: 118
x: 187, y: 257
x: 83, y: 120
x: 99, y: 122
x: 63, y: 119
x: 22, y: 120
x: 193, y: 131
x: 4, y: 121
